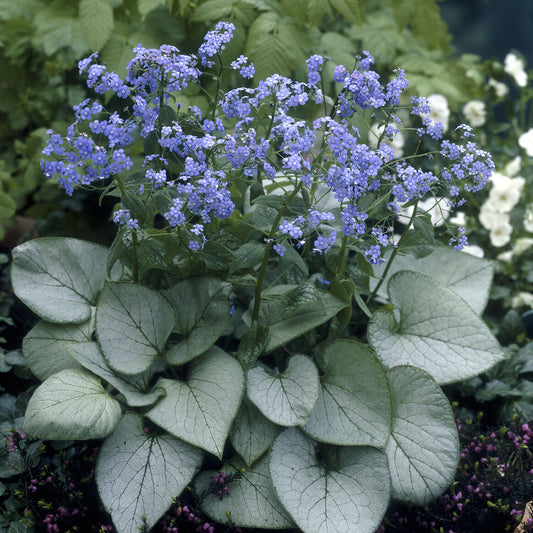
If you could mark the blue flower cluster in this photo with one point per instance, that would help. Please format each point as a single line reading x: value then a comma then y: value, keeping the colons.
x: 255, y: 134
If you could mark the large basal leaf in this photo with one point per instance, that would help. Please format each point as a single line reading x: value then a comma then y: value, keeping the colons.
x: 468, y: 276
x: 291, y: 311
x: 336, y: 489
x: 44, y: 346
x: 354, y: 405
x: 436, y: 331
x: 71, y: 405
x: 138, y: 474
x: 89, y: 355
x: 59, y: 278
x: 286, y: 398
x: 423, y: 450
x: 201, y: 409
x: 133, y: 323
x: 251, y: 499
x: 252, y: 434
x: 202, y: 313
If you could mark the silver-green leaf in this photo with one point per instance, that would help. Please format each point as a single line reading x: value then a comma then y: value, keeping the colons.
x: 288, y: 398
x: 89, y: 355
x: 252, y: 433
x: 59, y: 278
x: 423, y: 450
x: 44, y: 346
x: 251, y: 499
x: 354, y: 404
x: 434, y: 329
x: 137, y: 474
x: 202, y: 313
x: 201, y: 410
x: 468, y: 276
x: 345, y: 489
x: 133, y: 323
x: 71, y: 405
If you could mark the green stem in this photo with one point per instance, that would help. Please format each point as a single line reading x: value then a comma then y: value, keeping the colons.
x: 393, y: 255
x: 135, y: 256
x: 343, y: 257
x: 266, y: 255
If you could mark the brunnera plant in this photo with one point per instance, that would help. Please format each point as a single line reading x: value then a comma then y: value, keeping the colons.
x: 255, y: 314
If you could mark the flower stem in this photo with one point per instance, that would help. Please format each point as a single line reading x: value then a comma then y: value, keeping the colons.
x: 393, y: 255
x: 266, y: 255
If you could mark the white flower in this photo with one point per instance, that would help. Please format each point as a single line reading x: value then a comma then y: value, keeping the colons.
x: 500, y: 232
x: 521, y: 245
x: 522, y: 299
x: 499, y: 87
x: 459, y: 219
x: 437, y: 208
x: 528, y: 219
x: 440, y: 111
x: 475, y: 112
x: 514, y: 66
x: 396, y: 143
x: 513, y: 167
x: 473, y: 249
x: 505, y: 192
x: 525, y: 141
x: 505, y: 257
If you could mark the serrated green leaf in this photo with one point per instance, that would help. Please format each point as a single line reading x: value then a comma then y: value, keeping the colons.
x: 467, y: 276
x: 251, y: 501
x: 287, y: 398
x: 252, y: 434
x: 138, y: 474
x: 44, y: 346
x: 423, y: 450
x: 349, y: 9
x: 133, y: 323
x: 89, y: 355
x: 346, y: 489
x: 436, y: 330
x: 212, y: 10
x: 146, y: 6
x: 71, y: 405
x: 201, y: 410
x: 202, y: 313
x: 354, y: 404
x: 271, y: 45
x: 96, y: 19
x: 59, y: 278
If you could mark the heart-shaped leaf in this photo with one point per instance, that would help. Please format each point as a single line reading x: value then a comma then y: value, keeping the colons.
x: 251, y: 499
x: 338, y: 489
x: 252, y: 434
x: 89, y: 355
x: 354, y: 404
x: 201, y: 409
x: 202, y: 313
x: 468, y: 276
x: 138, y: 474
x: 59, y: 278
x: 133, y: 323
x: 286, y: 399
x: 71, y: 405
x: 423, y: 449
x: 436, y: 331
x: 44, y: 346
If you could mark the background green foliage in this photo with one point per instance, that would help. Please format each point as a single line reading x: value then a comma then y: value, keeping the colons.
x: 41, y: 42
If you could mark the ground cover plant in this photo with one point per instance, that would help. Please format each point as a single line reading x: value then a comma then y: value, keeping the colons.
x: 256, y: 321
